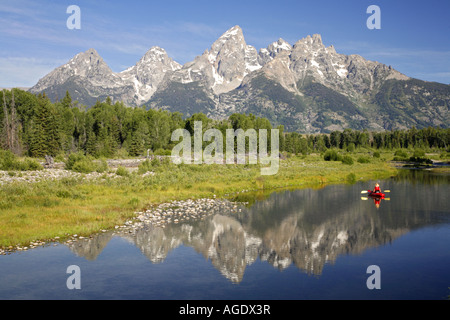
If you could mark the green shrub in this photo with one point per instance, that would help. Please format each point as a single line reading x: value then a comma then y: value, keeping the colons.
x: 419, y: 153
x: 60, y: 157
x: 165, y: 162
x: 347, y: 160
x: 420, y: 160
x: 351, y: 178
x: 102, y: 166
x: 162, y: 152
x: 401, y: 155
x: 84, y: 166
x: 363, y: 159
x: 122, y: 171
x: 376, y: 154
x: 155, y: 162
x: 30, y: 165
x: 121, y: 153
x: 351, y: 147
x: 9, y: 161
x: 73, y: 158
x: 332, y: 155
x: 144, y: 167
x: 78, y: 162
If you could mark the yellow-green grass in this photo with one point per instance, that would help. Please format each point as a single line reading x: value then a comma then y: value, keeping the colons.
x: 48, y: 209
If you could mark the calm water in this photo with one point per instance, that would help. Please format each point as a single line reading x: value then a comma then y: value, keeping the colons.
x: 301, y: 244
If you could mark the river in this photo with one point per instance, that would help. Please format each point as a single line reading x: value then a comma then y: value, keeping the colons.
x: 285, y: 245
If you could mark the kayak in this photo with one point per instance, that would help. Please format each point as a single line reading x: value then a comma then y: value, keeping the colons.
x: 375, y: 194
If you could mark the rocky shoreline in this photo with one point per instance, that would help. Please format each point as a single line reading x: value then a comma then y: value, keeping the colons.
x: 7, y: 177
x: 57, y: 171
x: 179, y: 211
x: 158, y: 216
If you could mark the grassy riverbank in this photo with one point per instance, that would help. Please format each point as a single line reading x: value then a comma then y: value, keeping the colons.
x: 77, y: 205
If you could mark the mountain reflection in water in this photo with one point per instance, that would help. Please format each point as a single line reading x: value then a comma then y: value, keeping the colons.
x: 308, y: 228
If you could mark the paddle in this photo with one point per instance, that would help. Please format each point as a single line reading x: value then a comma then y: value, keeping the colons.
x: 365, y: 191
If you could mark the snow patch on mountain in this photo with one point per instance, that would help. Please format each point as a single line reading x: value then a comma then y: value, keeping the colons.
x: 228, y: 64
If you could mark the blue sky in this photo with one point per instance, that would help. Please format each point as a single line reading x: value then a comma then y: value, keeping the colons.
x: 34, y: 38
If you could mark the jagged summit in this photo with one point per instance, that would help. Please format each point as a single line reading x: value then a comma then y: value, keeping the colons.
x: 234, y: 31
x: 223, y: 66
x: 88, y: 53
x: 146, y: 75
x: 88, y: 65
x: 89, y: 58
x: 306, y: 86
x: 88, y: 72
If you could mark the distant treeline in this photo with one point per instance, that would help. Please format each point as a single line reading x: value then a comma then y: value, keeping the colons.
x: 349, y: 140
x: 32, y: 125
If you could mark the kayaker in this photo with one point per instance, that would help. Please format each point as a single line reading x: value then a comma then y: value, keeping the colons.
x: 377, y: 188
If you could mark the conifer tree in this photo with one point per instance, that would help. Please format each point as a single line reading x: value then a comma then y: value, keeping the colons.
x: 91, y: 144
x: 136, y: 147
x: 66, y: 102
x: 45, y: 137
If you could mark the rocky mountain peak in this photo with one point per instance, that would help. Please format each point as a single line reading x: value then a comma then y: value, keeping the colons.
x: 154, y: 54
x: 88, y: 63
x: 231, y: 59
x: 86, y: 56
x: 306, y: 86
x: 278, y: 47
x: 267, y: 54
x: 317, y: 38
x: 158, y: 56
x: 134, y: 85
x: 222, y: 67
x: 148, y: 72
x: 310, y: 43
x: 230, y: 41
x: 154, y: 60
x: 234, y: 32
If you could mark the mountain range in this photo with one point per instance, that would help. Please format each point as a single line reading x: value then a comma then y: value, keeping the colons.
x: 307, y: 87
